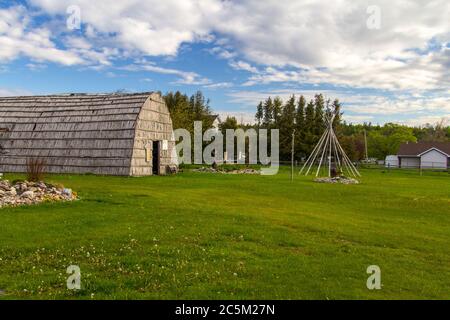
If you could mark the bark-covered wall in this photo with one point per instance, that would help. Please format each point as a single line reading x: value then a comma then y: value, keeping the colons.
x: 154, y: 124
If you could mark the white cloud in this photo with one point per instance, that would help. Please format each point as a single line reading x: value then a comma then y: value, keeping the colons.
x: 244, y: 66
x: 36, y: 66
x: 250, y: 98
x: 423, y: 120
x: 357, y: 119
x: 152, y: 28
x: 243, y: 117
x: 320, y: 41
x: 277, y: 42
x: 362, y: 107
x: 433, y: 106
x: 418, y: 73
x: 331, y: 42
x: 218, y: 85
x: 222, y: 53
x: 13, y: 92
x: 185, y: 77
x: 18, y: 38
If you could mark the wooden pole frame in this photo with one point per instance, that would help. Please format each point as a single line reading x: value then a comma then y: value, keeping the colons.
x: 329, y: 145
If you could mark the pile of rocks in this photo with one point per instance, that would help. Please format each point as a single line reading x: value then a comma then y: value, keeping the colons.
x: 27, y: 193
x: 342, y: 179
x: 205, y: 169
x: 244, y: 171
x: 219, y: 170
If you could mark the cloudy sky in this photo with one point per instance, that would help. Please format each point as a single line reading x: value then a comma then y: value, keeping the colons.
x: 387, y: 61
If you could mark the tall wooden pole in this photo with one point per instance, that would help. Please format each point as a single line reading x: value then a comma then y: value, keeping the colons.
x: 329, y: 156
x: 292, y: 155
x: 365, y: 143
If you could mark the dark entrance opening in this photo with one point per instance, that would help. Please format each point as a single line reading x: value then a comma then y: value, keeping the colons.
x: 156, y: 157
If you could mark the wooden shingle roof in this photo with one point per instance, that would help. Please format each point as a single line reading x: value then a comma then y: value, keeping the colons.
x: 73, y: 105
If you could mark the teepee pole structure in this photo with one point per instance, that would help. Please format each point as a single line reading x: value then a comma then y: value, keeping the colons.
x: 323, y: 153
x: 329, y: 153
x: 352, y: 166
x: 314, y: 153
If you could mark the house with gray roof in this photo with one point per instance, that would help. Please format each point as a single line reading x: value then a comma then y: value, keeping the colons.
x: 426, y: 155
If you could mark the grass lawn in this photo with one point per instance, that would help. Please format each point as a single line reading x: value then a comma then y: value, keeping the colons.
x: 206, y: 236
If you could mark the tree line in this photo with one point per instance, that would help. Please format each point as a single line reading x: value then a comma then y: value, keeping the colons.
x: 305, y: 121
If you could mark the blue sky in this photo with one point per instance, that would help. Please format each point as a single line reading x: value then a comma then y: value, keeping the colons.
x: 369, y: 55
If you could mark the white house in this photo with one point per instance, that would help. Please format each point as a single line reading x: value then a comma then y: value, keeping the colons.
x: 391, y: 161
x: 427, y: 155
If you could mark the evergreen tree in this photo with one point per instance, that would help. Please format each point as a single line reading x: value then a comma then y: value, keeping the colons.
x: 268, y: 113
x: 287, y: 126
x: 184, y: 111
x: 300, y: 128
x: 309, y: 137
x: 277, y: 110
x: 310, y: 124
x: 300, y: 114
x: 229, y: 123
x: 180, y: 110
x: 259, y: 114
x: 309, y: 118
x: 319, y: 124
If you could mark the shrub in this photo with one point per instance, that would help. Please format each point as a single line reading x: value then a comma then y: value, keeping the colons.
x: 35, y: 169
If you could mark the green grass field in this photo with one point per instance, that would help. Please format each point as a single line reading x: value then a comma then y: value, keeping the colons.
x: 206, y: 236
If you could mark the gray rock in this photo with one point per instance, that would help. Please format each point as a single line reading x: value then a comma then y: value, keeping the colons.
x: 12, y: 192
x: 67, y: 192
x: 343, y: 180
x: 28, y: 194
